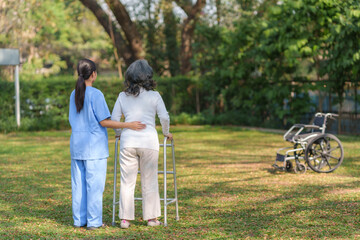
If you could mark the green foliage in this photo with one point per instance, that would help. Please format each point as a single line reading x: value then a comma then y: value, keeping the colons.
x: 188, y: 119
x: 267, y: 63
x: 45, y: 102
x: 178, y: 94
x: 343, y: 47
x: 245, y: 81
x: 51, y: 35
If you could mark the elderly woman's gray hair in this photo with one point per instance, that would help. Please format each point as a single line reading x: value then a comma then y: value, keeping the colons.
x: 139, y: 74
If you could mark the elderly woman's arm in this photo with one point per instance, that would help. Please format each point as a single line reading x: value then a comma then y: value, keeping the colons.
x: 164, y: 118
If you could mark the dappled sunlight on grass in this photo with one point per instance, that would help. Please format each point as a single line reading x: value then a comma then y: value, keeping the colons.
x: 226, y: 186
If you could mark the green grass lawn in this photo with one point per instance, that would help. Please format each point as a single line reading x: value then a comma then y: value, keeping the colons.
x: 226, y: 186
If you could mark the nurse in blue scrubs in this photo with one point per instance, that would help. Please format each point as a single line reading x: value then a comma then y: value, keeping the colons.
x: 89, y: 117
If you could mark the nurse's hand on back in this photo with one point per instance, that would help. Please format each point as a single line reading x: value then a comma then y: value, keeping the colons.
x: 136, y: 125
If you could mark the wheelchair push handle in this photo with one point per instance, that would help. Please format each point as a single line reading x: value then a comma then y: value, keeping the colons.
x: 327, y: 115
x: 333, y: 115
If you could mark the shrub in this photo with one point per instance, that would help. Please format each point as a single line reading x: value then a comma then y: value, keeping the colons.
x: 44, y: 102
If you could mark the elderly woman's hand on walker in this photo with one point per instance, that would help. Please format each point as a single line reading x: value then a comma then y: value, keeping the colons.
x: 169, y: 136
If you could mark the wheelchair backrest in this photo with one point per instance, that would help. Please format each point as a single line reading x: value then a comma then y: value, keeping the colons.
x: 321, y: 122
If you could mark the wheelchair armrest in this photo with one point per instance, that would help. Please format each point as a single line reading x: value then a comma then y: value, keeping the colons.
x: 295, y: 126
x: 301, y: 127
x: 305, y: 126
x: 312, y: 126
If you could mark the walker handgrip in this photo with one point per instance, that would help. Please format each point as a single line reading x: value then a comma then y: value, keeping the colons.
x: 165, y: 139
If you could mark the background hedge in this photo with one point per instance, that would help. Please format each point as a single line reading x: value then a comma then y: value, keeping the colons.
x: 45, y: 103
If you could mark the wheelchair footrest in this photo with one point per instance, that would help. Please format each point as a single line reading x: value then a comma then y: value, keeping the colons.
x: 280, y: 157
x: 278, y: 167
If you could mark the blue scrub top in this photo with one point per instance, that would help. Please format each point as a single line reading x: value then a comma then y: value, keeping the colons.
x: 89, y: 140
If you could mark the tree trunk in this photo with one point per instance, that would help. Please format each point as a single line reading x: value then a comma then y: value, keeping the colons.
x: 173, y: 107
x: 318, y: 79
x: 152, y: 46
x: 193, y: 12
x: 330, y: 102
x: 128, y: 51
x: 218, y: 11
x: 197, y: 100
x: 356, y: 105
x: 129, y: 28
x: 339, y: 119
x: 186, y: 49
x: 117, y: 59
x: 170, y: 32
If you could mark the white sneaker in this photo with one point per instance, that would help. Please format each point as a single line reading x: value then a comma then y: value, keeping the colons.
x: 154, y: 222
x: 125, y: 223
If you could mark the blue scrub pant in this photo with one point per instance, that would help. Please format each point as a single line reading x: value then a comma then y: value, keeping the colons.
x: 88, y: 183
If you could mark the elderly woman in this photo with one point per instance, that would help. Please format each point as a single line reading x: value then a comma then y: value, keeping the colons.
x: 139, y: 101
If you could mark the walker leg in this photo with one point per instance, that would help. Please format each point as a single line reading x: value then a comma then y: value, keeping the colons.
x: 115, y: 171
x: 174, y: 170
x: 165, y: 197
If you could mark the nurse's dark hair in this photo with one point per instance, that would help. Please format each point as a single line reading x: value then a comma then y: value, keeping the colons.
x: 85, y: 68
x: 139, y: 74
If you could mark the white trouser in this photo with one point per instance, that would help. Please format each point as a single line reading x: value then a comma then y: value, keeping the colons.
x: 129, y: 164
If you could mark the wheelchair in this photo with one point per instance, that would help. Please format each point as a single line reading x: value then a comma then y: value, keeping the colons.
x: 312, y: 147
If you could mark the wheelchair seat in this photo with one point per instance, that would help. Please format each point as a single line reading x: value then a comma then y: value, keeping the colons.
x: 305, y: 137
x: 316, y: 127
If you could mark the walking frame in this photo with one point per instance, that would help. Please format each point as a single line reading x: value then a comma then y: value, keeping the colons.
x: 165, y: 199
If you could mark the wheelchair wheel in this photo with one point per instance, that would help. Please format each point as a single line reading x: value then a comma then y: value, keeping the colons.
x: 288, y: 166
x: 300, y: 168
x: 324, y: 153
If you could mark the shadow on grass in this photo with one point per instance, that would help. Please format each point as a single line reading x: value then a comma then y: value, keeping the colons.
x: 239, y: 218
x: 37, y: 197
x: 225, y: 192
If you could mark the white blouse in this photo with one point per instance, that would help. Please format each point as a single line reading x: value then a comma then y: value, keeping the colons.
x: 141, y: 108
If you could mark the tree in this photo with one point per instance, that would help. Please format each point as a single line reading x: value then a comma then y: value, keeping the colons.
x: 151, y: 29
x: 170, y: 32
x: 131, y: 47
x: 128, y: 47
x: 187, y: 31
x: 342, y: 50
x: 50, y: 34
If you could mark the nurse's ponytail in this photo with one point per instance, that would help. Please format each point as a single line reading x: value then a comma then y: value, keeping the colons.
x: 85, y: 68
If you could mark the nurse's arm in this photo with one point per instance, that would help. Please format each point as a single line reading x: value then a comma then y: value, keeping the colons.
x: 136, y: 125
